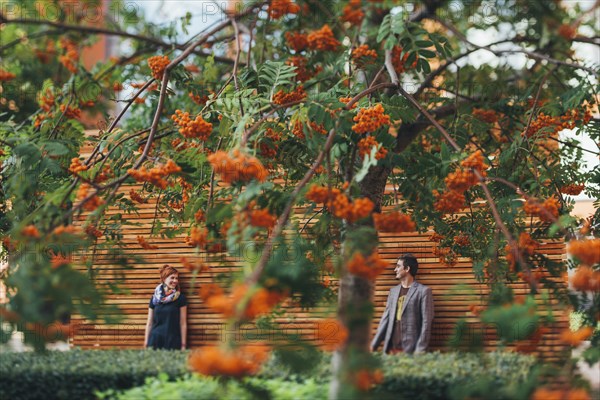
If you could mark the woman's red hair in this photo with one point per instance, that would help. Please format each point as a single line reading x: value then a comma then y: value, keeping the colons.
x: 167, y: 270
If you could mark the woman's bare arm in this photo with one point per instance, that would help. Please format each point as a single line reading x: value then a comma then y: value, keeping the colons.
x: 148, y: 326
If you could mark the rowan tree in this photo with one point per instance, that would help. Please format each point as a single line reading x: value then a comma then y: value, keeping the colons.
x: 319, y: 104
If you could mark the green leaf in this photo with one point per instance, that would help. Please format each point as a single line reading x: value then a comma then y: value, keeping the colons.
x: 424, y: 43
x: 384, y: 28
x: 368, y: 162
x: 427, y: 53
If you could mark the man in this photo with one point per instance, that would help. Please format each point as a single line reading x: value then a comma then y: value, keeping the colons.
x: 406, y: 322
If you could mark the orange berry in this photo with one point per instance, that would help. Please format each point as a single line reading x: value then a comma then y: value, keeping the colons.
x: 158, y: 64
x: 278, y: 8
x: 323, y: 39
x: 283, y: 98
x: 370, y: 119
x: 237, y: 167
x: 352, y: 13
x: 393, y: 222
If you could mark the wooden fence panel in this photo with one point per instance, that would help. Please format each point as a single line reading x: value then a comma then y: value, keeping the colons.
x: 451, y: 301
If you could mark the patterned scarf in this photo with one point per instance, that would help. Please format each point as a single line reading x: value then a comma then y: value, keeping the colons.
x: 163, y: 295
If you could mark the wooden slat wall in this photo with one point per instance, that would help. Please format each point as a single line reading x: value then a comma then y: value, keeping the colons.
x: 205, y: 326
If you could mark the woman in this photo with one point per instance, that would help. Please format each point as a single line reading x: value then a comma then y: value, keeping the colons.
x: 166, y: 327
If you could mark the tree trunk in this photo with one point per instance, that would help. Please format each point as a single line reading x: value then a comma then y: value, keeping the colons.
x: 355, y: 309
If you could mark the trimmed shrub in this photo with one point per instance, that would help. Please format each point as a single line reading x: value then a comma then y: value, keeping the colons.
x: 77, y: 374
x: 496, y: 375
x: 80, y: 374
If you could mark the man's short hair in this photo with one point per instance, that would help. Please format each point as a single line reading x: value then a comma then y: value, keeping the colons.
x: 410, y: 261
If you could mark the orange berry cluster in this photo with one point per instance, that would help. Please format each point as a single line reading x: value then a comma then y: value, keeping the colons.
x: 71, y: 56
x: 587, y: 250
x: 43, y: 55
x: 370, y: 119
x: 237, y: 167
x: 436, y: 237
x: 530, y: 344
x: 77, y: 166
x: 489, y: 116
x: 330, y: 334
x: 365, y: 379
x: 339, y: 204
x: 92, y: 231
x: 322, y: 39
x: 399, y: 61
x: 268, y: 149
x: 446, y: 256
x: 104, y: 174
x: 352, y: 211
x: 363, y: 55
x: 93, y: 203
x: 196, y: 98
x: 70, y: 112
x: 393, y: 222
x: 6, y: 76
x: 572, y: 189
x: 527, y: 245
x: 575, y: 338
x: 449, y: 202
x: 30, y: 231
x: 460, y: 181
x: 261, y: 218
x: 156, y: 175
x: 298, y: 130
x: 46, y: 100
x: 193, y: 267
x: 158, y: 64
x: 199, y: 216
x: 571, y: 394
x: 279, y: 8
x: 319, y: 128
x: 68, y: 229
x: 475, y: 161
x: 192, y: 68
x: 551, y: 125
x: 58, y: 260
x: 567, y: 31
x: 197, y: 237
x: 215, y: 361
x: 462, y: 240
x: 196, y: 128
x: 302, y: 72
x: 296, y: 41
x: 546, y: 211
x: 586, y: 279
x: 258, y: 301
x: 347, y: 100
x: 366, y: 144
x: 366, y: 267
x: 135, y: 196
x: 283, y: 98
x: 145, y: 245
x: 352, y: 13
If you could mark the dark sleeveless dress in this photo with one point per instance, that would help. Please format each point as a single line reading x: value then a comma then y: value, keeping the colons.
x: 166, y: 331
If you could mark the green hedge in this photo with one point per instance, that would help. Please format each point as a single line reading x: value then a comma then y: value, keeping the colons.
x: 425, y: 376
x: 77, y: 374
x: 497, y: 375
x: 133, y: 374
